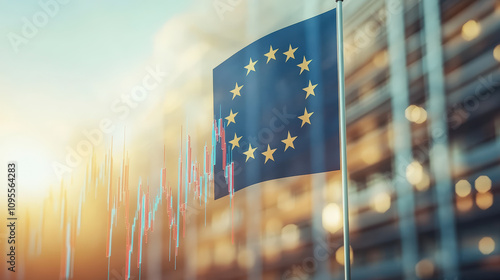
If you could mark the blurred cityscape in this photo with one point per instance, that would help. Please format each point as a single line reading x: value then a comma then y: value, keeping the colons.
x: 423, y: 144
x: 423, y: 100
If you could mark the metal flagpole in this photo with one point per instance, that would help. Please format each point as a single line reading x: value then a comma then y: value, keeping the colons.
x: 343, y: 150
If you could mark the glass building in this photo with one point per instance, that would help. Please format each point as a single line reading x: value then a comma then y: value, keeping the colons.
x: 423, y: 124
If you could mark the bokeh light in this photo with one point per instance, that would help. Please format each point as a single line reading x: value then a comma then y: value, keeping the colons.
x: 496, y: 53
x: 462, y: 188
x: 416, y: 114
x: 424, y: 183
x: 484, y: 200
x: 470, y: 30
x: 332, y: 218
x: 339, y: 255
x: 290, y: 236
x: 482, y: 184
x: 414, y: 172
x: 381, y: 202
x: 486, y: 245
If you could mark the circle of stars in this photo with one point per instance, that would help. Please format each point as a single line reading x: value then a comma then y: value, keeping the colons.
x: 305, y: 118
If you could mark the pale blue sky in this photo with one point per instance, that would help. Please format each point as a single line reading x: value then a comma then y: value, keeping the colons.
x: 84, y: 40
x: 65, y: 76
x: 78, y: 57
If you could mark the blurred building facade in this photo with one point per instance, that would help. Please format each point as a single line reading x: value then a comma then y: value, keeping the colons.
x: 423, y: 105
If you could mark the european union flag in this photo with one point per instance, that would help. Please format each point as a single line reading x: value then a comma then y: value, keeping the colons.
x: 276, y: 107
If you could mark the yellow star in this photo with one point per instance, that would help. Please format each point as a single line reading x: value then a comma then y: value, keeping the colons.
x: 290, y: 53
x: 230, y: 118
x: 305, y: 117
x: 235, y: 142
x: 310, y: 89
x: 236, y: 90
x: 249, y: 153
x: 289, y: 141
x: 271, y: 54
x: 251, y: 66
x: 269, y: 154
x: 304, y: 65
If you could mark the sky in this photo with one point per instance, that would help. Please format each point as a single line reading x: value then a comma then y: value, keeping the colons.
x: 63, y: 77
x: 82, y: 50
x: 85, y: 55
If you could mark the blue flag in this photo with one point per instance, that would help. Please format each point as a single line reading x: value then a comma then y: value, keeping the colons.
x: 276, y: 107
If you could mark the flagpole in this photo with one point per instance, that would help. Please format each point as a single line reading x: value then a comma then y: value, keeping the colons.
x: 343, y: 149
